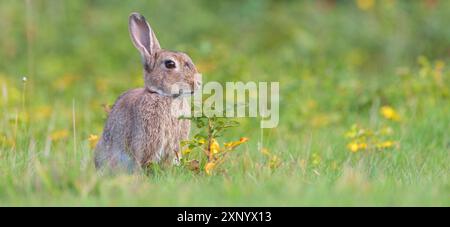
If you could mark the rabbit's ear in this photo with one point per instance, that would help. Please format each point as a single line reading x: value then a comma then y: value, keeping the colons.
x: 143, y: 37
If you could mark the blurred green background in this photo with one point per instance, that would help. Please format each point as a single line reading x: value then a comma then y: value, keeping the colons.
x: 338, y: 63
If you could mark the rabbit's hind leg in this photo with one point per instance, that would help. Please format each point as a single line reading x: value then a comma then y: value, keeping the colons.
x: 126, y: 163
x: 119, y: 161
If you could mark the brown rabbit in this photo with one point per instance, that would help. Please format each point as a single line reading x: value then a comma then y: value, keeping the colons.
x: 143, y: 126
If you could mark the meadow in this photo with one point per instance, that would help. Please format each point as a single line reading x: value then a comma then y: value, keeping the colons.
x: 364, y: 101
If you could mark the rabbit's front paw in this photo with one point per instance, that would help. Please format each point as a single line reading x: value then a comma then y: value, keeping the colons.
x: 177, y: 159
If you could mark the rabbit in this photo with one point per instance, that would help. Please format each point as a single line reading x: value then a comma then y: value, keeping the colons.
x: 143, y: 126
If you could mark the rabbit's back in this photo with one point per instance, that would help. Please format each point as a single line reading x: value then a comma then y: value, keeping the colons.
x: 112, y: 147
x: 141, y: 129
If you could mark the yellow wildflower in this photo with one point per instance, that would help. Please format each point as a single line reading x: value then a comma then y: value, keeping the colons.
x: 186, y: 151
x: 265, y: 151
x: 311, y: 104
x: 353, y: 147
x: 65, y: 81
x: 101, y: 84
x: 214, y: 147
x: 42, y: 112
x: 59, y: 135
x: 386, y: 144
x: 438, y: 70
x: 389, y: 113
x: 365, y: 4
x: 353, y: 132
x: 4, y: 140
x: 362, y: 146
x: 209, y: 167
x: 93, y: 139
x: 232, y: 145
x: 206, y: 66
x: 316, y: 159
x: 274, y: 162
x: 202, y: 141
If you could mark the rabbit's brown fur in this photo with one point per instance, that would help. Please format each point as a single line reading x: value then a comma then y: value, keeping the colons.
x: 143, y: 126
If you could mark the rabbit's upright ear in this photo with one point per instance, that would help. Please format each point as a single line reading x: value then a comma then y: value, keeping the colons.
x: 143, y: 37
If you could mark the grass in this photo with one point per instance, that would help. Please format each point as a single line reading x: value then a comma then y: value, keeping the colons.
x: 337, y: 65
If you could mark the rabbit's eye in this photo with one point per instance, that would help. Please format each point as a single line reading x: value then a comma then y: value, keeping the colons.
x: 169, y: 64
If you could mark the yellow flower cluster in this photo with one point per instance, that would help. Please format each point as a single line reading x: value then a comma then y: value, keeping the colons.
x: 273, y: 160
x: 215, y: 159
x: 215, y: 152
x: 385, y: 144
x: 355, y: 147
x: 362, y: 139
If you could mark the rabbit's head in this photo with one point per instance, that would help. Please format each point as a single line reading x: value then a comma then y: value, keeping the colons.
x: 167, y: 73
